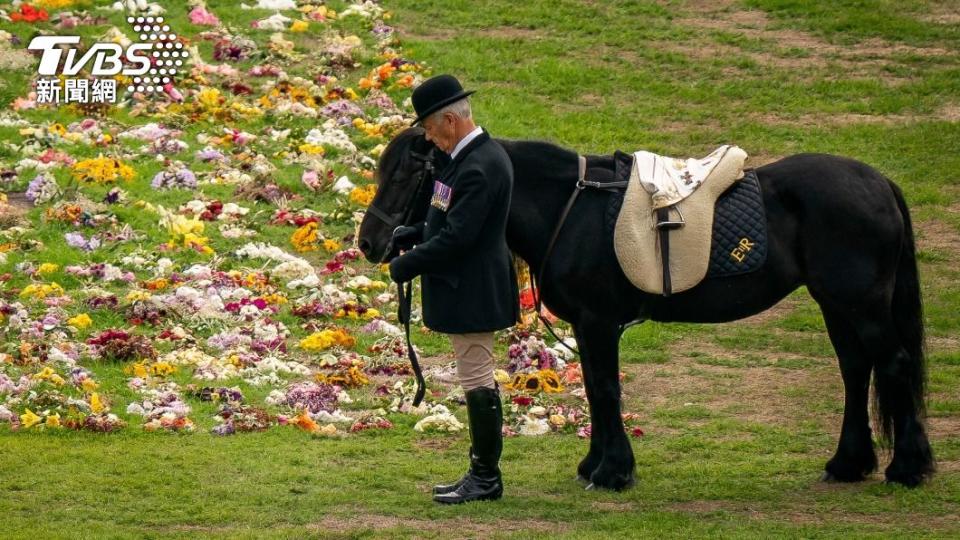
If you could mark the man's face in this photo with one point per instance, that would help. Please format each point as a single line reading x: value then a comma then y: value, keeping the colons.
x: 441, y: 130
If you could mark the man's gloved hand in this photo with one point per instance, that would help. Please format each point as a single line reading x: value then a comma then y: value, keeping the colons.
x: 405, y: 237
x: 398, y: 271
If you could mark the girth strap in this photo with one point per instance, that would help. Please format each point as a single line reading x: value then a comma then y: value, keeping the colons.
x: 582, y: 183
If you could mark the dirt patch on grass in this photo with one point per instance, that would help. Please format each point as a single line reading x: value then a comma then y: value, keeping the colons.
x: 511, y: 32
x: 459, y: 527
x: 780, y: 310
x: 938, y: 236
x: 800, y: 514
x: 434, y: 443
x: 15, y: 208
x: 943, y: 426
x: 788, y: 48
x: 767, y: 394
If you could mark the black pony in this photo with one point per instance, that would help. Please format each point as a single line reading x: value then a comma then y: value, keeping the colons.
x: 834, y: 224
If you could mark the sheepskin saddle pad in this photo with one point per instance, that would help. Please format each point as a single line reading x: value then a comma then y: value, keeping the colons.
x: 668, y: 208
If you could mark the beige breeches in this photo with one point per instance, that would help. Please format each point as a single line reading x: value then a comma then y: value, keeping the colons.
x: 474, y: 354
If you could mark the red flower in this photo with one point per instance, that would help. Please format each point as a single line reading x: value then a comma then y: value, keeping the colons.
x: 29, y: 14
x: 526, y: 299
x: 637, y: 432
x: 523, y: 401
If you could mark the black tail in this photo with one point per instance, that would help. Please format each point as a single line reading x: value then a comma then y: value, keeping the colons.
x: 908, y: 317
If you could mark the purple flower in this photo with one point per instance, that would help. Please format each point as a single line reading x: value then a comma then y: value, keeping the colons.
x: 178, y: 179
x: 314, y: 397
x: 209, y: 154
x: 113, y: 196
x: 342, y: 110
x: 42, y: 189
x: 382, y: 30
x: 224, y: 429
x: 76, y: 240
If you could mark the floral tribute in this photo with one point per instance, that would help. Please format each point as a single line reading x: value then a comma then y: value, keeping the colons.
x: 189, y: 263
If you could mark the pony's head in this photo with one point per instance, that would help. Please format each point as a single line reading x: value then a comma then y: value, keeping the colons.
x: 404, y: 184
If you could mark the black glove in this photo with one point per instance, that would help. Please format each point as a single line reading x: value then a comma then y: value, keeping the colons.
x: 399, y: 271
x: 405, y: 237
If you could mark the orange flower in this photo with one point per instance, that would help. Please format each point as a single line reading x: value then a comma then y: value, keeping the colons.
x: 304, y: 422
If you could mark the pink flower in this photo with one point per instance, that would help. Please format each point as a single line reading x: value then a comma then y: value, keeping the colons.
x: 172, y: 92
x: 200, y: 15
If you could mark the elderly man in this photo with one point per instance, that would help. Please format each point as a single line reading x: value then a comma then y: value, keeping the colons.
x: 469, y: 287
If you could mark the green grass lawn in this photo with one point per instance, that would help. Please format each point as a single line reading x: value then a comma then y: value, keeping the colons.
x: 739, y: 418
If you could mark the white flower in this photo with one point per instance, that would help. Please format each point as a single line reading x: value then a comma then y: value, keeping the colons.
x: 275, y: 22
x: 534, y: 426
x: 439, y: 422
x: 331, y: 135
x: 335, y: 416
x: 343, y: 185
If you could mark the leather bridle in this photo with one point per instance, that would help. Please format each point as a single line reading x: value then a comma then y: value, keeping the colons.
x: 405, y: 297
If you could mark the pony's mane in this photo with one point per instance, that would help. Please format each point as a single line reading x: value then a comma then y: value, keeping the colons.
x: 396, y: 152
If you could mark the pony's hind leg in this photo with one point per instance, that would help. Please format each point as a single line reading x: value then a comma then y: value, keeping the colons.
x: 598, y: 342
x: 899, y: 401
x: 855, y: 458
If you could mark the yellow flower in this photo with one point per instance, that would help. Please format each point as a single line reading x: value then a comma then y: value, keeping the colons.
x: 331, y: 245
x: 137, y: 296
x: 137, y: 369
x: 81, y: 321
x: 89, y: 385
x: 325, y: 339
x: 53, y: 420
x: 362, y: 195
x: 299, y: 26
x: 40, y: 291
x: 48, y: 268
x: 48, y: 374
x: 102, y: 170
x: 29, y: 419
x: 312, y: 149
x: 305, y: 238
x: 209, y: 97
x: 181, y: 225
x: 162, y: 369
x: 96, y: 404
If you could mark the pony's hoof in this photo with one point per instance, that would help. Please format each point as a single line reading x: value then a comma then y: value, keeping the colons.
x: 905, y: 479
x: 608, y: 479
x: 582, y: 479
x: 828, y: 477
x: 590, y: 487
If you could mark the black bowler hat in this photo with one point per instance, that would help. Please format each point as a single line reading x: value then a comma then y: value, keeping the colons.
x: 436, y: 93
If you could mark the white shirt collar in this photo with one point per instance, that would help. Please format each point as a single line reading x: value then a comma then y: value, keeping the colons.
x: 466, y: 140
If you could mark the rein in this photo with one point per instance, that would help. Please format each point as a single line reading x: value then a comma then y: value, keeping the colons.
x: 405, y: 297
x: 582, y: 183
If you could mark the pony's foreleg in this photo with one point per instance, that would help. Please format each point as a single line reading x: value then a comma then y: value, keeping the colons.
x: 610, y: 463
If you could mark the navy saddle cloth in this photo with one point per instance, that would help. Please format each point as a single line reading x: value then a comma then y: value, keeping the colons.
x: 739, y: 243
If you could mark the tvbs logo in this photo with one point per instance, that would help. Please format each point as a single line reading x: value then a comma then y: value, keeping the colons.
x: 151, y: 63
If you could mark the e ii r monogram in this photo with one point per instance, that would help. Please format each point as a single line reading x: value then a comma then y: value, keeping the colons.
x: 740, y: 252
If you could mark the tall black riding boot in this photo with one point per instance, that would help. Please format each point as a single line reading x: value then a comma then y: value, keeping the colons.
x: 447, y: 488
x: 482, y: 482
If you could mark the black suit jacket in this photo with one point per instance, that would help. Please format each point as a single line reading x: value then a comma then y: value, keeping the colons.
x: 468, y: 279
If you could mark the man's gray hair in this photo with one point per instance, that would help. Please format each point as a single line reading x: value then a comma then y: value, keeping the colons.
x: 461, y: 108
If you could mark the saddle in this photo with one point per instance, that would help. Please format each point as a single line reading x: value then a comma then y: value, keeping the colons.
x: 664, y: 228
